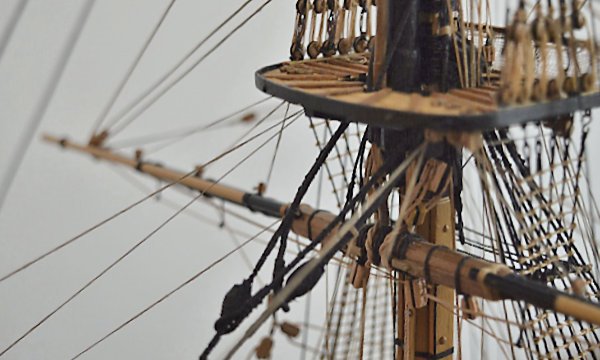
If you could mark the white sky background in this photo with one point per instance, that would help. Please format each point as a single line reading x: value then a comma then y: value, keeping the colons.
x: 57, y: 194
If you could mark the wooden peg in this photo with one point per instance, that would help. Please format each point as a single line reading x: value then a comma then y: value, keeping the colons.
x: 489, y: 53
x: 291, y: 330
x: 588, y: 82
x: 263, y: 350
x: 199, y: 170
x: 578, y: 286
x: 261, y: 188
x: 570, y: 85
x: 563, y: 126
x: 249, y: 117
x: 344, y: 46
x: 469, y: 307
x: 470, y: 140
x: 98, y: 140
x: 319, y: 6
x: 313, y: 49
x: 437, y: 174
x: 361, y: 44
x: 416, y: 293
x: 359, y: 275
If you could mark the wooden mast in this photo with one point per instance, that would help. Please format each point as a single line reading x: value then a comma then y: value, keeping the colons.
x: 434, y: 324
x: 422, y: 330
x: 403, y: 72
x: 381, y: 41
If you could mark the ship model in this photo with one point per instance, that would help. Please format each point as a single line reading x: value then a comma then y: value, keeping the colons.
x: 427, y: 109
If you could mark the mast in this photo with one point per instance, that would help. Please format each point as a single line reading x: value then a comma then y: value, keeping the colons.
x: 403, y: 72
x: 424, y: 330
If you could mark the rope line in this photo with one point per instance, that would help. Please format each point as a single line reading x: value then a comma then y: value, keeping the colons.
x: 276, y: 151
x: 341, y: 238
x: 111, y: 102
x: 11, y: 26
x: 142, y: 200
x: 175, y: 290
x: 180, y: 134
x: 126, y: 121
x: 133, y: 248
x: 47, y: 96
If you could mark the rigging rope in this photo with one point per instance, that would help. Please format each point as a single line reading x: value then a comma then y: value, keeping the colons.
x: 111, y: 102
x: 276, y: 151
x: 165, y: 76
x: 142, y: 200
x: 291, y: 212
x: 11, y: 26
x: 44, y: 103
x: 128, y: 120
x: 180, y: 134
x: 314, y: 267
x: 133, y: 248
x: 259, y: 122
x: 173, y: 291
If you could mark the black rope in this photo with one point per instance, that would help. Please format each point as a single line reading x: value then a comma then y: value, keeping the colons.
x: 241, y: 294
x: 211, y: 345
x: 437, y: 356
x: 381, y: 233
x: 576, y: 185
x: 457, y: 196
x: 293, y: 209
x: 230, y: 322
x: 360, y: 243
x: 397, y: 342
x: 286, y: 223
x: 402, y: 243
x: 357, y: 165
x: 501, y: 159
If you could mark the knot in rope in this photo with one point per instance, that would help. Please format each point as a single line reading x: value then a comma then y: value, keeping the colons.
x: 360, y: 241
x: 232, y: 309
